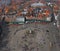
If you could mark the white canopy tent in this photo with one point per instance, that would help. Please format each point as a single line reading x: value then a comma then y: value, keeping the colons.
x: 37, y: 4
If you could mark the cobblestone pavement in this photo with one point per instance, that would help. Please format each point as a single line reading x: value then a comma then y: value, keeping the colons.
x: 42, y: 38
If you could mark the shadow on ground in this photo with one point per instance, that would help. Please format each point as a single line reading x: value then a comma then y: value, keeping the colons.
x: 4, y: 36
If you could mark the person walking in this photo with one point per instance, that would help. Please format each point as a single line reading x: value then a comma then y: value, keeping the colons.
x: 57, y: 19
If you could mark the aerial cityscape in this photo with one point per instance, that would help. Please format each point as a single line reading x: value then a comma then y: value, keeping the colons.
x: 29, y: 25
